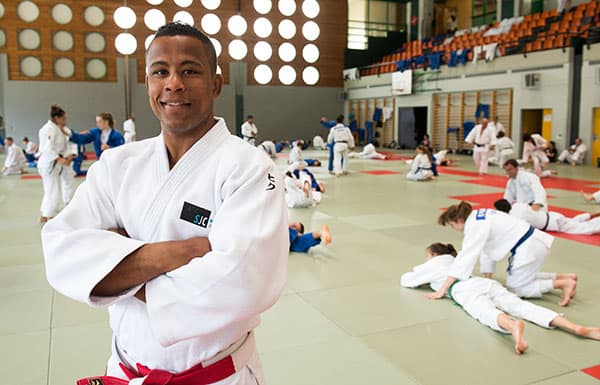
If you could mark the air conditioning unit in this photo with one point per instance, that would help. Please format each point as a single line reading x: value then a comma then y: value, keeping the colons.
x: 532, y: 80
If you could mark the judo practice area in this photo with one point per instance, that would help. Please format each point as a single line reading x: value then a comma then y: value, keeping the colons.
x: 343, y: 317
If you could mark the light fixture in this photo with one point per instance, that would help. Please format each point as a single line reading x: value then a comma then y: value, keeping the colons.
x: 62, y: 14
x: 184, y: 3
x: 287, y: 7
x: 94, y: 16
x: 148, y: 41
x: 311, y: 9
x: 287, y: 75
x: 184, y: 17
x: 154, y: 2
x: 263, y: 74
x: 154, y: 19
x: 262, y: 27
x: 95, y: 68
x: 124, y: 17
x: 310, y: 75
x: 310, y: 53
x: 238, y: 49
x: 263, y: 51
x: 287, y: 29
x: 28, y: 11
x: 217, y: 46
x: 311, y: 30
x: 1, y: 10
x: 210, y: 23
x: 29, y: 39
x: 263, y: 6
x: 64, y: 67
x: 125, y: 43
x: 287, y: 52
x: 95, y: 42
x: 62, y: 41
x: 237, y: 25
x: 31, y: 66
x: 211, y: 4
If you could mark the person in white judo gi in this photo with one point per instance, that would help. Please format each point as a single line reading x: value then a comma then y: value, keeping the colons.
x: 534, y: 149
x: 129, y: 129
x: 483, y: 139
x: 368, y: 152
x: 420, y: 166
x: 487, y: 300
x: 574, y: 154
x: 299, y: 192
x: 504, y: 149
x: 269, y: 148
x: 584, y: 223
x: 491, y: 235
x: 249, y: 130
x: 524, y: 187
x: 15, y: 162
x: 54, y: 163
x: 183, y: 236
x: 318, y: 143
x: 591, y: 197
x: 342, y: 138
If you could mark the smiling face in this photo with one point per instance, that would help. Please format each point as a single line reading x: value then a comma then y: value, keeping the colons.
x: 181, y: 86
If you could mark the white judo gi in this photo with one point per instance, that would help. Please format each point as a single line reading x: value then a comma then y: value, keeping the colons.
x: 295, y: 155
x: 15, y: 161
x: 537, y: 152
x: 596, y: 196
x: 368, y: 152
x: 526, y: 188
x: 481, y: 141
x: 269, y: 148
x: 295, y: 197
x: 129, y: 131
x: 489, y: 236
x: 574, y: 154
x: 233, y: 195
x: 55, y: 176
x: 319, y: 143
x: 342, y: 136
x: 440, y: 156
x: 483, y: 299
x: 420, y: 168
x: 504, y: 150
x: 554, y: 221
x: 249, y: 132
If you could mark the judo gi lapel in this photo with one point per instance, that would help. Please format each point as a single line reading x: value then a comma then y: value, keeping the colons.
x: 170, y: 181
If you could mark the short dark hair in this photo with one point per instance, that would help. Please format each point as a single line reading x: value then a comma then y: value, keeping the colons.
x: 503, y: 205
x: 250, y: 117
x: 25, y: 139
x: 9, y: 138
x: 301, y: 227
x: 56, y: 111
x: 340, y: 118
x: 512, y: 162
x: 177, y: 28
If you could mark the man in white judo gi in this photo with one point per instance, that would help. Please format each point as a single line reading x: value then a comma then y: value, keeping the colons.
x: 487, y: 300
x: 129, y: 129
x: 483, y: 139
x: 15, y: 161
x: 584, y: 224
x: 574, y: 154
x: 342, y: 139
x: 524, y: 187
x: 249, y: 130
x: 187, y: 266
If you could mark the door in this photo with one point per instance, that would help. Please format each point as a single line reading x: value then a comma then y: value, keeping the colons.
x: 547, y: 124
x: 596, y: 138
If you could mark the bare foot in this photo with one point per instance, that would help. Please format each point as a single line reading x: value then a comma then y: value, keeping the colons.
x: 587, y: 197
x: 568, y: 289
x: 325, y: 235
x: 517, y: 332
x: 43, y: 219
x: 593, y: 333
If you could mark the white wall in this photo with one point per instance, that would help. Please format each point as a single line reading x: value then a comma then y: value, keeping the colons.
x: 504, y: 72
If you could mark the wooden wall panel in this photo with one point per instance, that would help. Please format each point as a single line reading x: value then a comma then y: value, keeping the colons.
x: 331, y: 41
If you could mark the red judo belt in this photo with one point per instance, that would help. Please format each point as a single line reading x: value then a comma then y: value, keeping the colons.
x: 197, y: 375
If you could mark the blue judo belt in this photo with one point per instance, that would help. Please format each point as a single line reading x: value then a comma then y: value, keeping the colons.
x: 516, y: 246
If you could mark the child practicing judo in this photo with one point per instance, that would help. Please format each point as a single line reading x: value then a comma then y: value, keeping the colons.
x: 301, y: 243
x: 487, y: 300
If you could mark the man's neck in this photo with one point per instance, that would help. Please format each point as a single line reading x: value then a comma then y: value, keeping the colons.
x: 178, y: 144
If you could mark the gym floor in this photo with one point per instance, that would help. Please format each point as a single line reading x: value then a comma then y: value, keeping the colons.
x: 343, y: 317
